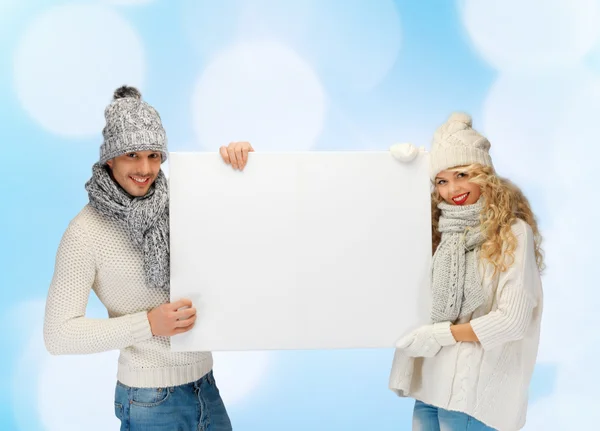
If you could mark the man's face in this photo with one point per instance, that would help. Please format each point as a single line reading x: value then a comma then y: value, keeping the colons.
x: 135, y: 172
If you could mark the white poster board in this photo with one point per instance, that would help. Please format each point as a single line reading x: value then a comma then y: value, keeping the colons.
x: 318, y: 250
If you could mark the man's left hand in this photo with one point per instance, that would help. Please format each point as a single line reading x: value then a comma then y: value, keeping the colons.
x: 236, y: 154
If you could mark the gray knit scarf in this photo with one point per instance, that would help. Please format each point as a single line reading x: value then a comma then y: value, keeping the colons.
x: 456, y: 284
x: 145, y: 218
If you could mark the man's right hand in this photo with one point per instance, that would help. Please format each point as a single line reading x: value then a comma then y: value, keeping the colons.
x: 167, y: 320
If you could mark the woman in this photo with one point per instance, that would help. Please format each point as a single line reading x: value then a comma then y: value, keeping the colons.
x: 471, y: 367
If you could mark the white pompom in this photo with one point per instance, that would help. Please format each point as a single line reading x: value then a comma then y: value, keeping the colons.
x: 461, y: 117
x: 404, y: 152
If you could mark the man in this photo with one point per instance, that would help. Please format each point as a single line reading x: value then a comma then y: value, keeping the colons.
x: 118, y: 245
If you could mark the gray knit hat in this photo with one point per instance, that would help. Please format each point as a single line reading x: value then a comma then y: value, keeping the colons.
x: 131, y: 125
x: 456, y: 143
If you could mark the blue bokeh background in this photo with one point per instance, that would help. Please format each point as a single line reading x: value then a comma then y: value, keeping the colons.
x: 297, y: 75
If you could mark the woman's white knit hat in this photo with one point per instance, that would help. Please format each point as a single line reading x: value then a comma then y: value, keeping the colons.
x: 456, y: 143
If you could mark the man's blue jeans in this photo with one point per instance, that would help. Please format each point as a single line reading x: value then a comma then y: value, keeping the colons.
x: 196, y: 406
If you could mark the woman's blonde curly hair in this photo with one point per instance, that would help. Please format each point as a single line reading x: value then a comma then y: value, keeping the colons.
x: 504, y: 203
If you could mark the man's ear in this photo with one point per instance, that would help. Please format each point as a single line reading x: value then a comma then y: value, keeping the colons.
x: 109, y: 163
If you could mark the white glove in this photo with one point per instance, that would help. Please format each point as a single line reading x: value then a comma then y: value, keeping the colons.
x: 404, y: 152
x: 427, y: 340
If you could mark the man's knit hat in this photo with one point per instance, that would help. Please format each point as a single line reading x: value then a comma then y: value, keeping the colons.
x: 131, y: 125
x: 456, y: 143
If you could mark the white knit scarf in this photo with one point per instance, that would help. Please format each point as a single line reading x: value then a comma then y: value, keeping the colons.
x: 145, y: 218
x: 456, y: 283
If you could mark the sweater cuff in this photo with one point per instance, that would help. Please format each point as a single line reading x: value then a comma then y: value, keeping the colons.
x: 140, y: 327
x: 443, y: 334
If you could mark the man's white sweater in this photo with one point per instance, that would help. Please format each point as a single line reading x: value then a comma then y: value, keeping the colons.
x: 96, y: 254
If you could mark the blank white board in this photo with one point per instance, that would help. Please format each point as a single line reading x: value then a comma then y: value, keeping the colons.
x: 317, y: 250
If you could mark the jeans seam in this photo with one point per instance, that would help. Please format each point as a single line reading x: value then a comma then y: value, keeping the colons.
x: 204, y: 411
x: 124, y: 416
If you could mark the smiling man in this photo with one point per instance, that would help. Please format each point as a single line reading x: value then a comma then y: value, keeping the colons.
x: 118, y: 246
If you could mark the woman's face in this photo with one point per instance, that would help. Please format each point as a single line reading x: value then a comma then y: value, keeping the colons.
x: 454, y: 187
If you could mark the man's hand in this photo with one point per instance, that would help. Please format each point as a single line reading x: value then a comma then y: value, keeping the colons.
x: 167, y: 320
x: 236, y: 154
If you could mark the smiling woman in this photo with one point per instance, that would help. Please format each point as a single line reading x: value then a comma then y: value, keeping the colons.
x: 486, y: 294
x: 454, y: 187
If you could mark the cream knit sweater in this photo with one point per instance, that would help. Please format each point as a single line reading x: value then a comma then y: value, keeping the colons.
x: 95, y: 253
x: 488, y: 380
